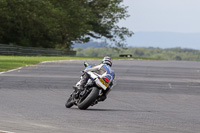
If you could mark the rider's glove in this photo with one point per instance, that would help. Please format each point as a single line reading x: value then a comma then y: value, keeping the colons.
x: 86, y: 64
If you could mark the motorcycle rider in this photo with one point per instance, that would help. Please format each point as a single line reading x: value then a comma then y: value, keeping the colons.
x: 102, y: 69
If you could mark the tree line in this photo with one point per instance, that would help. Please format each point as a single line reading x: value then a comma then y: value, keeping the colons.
x: 155, y: 53
x: 60, y: 23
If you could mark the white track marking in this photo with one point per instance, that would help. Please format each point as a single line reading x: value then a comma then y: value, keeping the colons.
x: 10, y: 71
x: 1, y: 131
x: 33, y: 65
x: 1, y: 73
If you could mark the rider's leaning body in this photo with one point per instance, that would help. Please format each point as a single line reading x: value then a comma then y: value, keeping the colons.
x: 104, y: 69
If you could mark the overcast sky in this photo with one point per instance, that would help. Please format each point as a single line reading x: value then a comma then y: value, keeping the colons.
x: 163, y: 15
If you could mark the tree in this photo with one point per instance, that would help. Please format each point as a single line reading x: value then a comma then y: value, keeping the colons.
x: 24, y: 24
x: 107, y: 14
x: 59, y: 23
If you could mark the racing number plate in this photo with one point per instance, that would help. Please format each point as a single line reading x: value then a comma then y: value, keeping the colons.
x: 103, y: 82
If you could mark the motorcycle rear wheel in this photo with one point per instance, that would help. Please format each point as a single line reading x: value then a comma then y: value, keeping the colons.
x: 90, y: 99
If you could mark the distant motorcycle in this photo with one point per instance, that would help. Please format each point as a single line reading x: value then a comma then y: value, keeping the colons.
x: 92, y: 90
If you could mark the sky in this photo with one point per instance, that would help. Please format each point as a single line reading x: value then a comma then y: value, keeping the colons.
x: 153, y: 17
x: 163, y: 15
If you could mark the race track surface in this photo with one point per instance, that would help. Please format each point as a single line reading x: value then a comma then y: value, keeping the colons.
x: 148, y: 97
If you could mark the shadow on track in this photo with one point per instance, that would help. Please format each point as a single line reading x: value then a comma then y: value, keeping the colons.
x: 117, y: 110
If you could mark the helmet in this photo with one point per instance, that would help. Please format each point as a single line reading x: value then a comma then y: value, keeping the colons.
x: 107, y: 60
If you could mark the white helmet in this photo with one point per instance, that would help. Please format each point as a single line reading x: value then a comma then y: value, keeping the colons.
x: 107, y: 60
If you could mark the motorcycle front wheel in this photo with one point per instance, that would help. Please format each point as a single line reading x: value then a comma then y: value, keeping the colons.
x: 69, y: 103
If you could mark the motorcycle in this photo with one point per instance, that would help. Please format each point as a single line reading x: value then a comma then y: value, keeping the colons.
x: 91, y: 92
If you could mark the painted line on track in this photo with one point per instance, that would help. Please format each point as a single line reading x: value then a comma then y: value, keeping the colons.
x: 44, y: 62
x: 1, y: 131
x: 10, y: 71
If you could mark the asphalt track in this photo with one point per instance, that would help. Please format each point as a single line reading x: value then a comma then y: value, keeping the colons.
x: 148, y: 97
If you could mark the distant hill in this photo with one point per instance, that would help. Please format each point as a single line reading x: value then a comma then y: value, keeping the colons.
x: 165, y: 40
x: 156, y: 40
x: 89, y: 44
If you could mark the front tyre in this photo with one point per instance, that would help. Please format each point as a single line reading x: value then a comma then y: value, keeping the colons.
x: 70, y: 101
x: 90, y: 99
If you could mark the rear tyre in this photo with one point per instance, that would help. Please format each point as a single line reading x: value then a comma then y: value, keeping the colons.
x: 90, y: 99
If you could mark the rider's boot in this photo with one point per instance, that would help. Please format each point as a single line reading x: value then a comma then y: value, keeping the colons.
x: 75, y: 88
x: 83, y: 82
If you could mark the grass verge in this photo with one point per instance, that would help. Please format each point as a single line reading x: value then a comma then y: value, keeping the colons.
x: 12, y: 62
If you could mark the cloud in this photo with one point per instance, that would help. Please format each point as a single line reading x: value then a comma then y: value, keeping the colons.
x: 163, y: 15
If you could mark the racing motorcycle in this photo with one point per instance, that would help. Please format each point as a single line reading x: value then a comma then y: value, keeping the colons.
x: 92, y: 90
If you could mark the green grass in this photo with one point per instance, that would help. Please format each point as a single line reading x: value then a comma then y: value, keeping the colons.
x: 12, y: 62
